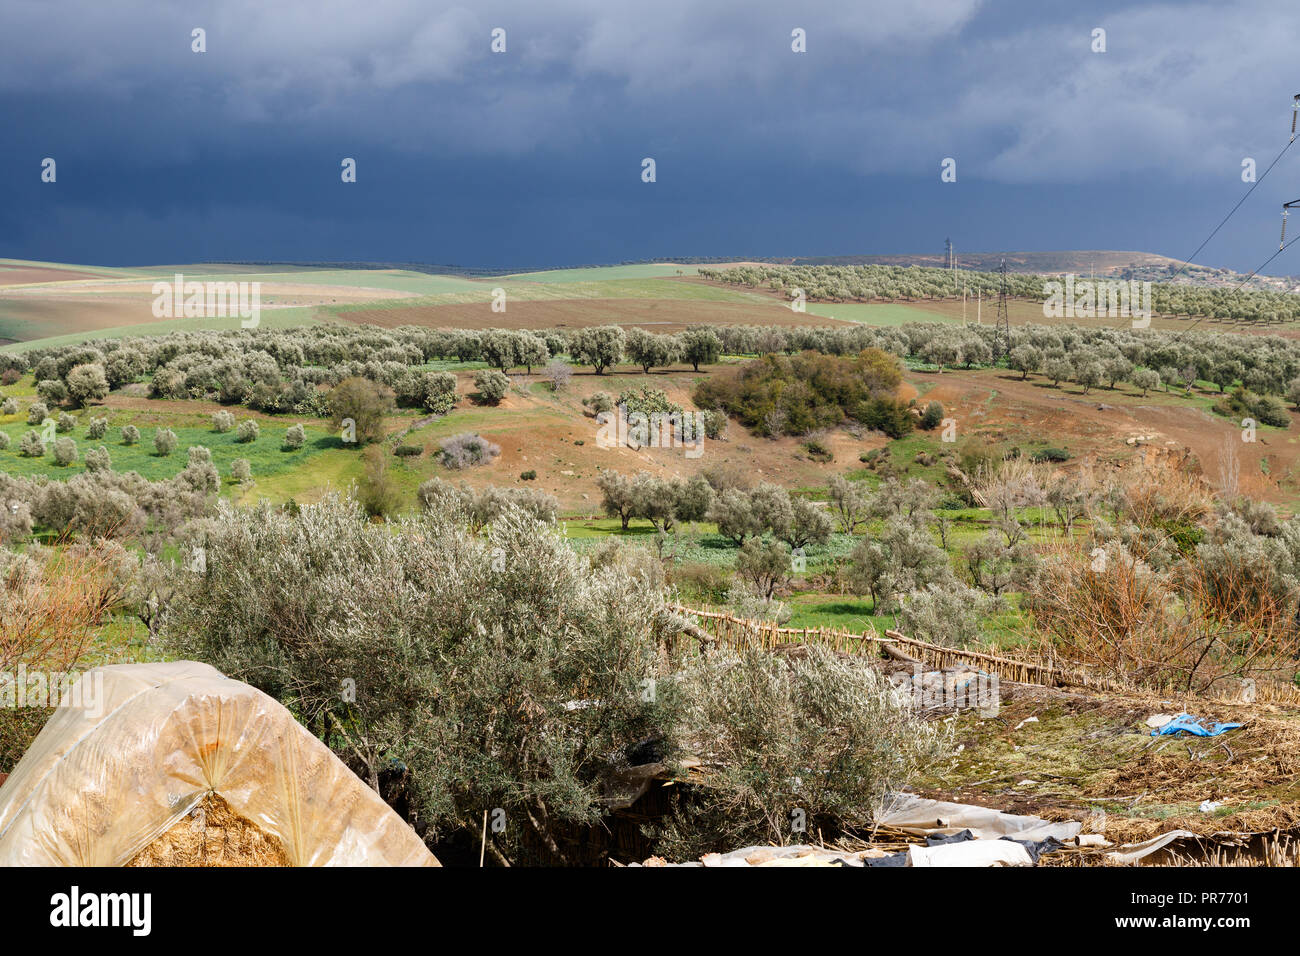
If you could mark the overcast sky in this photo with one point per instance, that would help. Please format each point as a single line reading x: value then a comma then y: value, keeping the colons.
x: 533, y: 157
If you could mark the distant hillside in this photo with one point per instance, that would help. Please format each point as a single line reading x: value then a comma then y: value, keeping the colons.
x: 1108, y: 263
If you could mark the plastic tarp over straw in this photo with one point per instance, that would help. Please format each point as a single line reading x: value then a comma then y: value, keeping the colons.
x: 133, y: 750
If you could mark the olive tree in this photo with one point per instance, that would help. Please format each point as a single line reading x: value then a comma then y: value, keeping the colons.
x: 86, y: 384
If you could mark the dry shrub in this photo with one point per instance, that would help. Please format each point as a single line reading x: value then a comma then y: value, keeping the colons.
x: 1158, y: 488
x: 1169, y: 631
x: 50, y: 603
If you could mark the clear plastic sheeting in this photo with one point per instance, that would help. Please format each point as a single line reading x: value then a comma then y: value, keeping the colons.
x: 1133, y: 852
x: 913, y: 814
x: 133, y: 748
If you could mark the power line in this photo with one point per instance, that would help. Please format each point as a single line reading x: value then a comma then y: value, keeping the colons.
x: 1216, y: 229
x: 1239, y: 285
x: 1295, y: 111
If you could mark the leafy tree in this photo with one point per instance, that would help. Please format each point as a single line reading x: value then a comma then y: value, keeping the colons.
x: 378, y: 492
x: 86, y: 384
x: 902, y: 558
x: 1059, y: 370
x: 649, y: 350
x: 97, y: 459
x: 850, y: 503
x: 618, y: 499
x: 52, y: 391
x: 600, y: 347
x: 733, y: 512
x: 363, y: 403
x: 1025, y: 359
x: 1089, y: 375
x: 765, y: 565
x: 1146, y: 379
x: 492, y: 385
x: 700, y: 346
x: 437, y: 391
x: 948, y: 615
x: 530, y: 350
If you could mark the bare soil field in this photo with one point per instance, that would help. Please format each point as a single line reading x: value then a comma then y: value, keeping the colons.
x: 26, y: 317
x: 659, y: 315
x: 540, y: 431
x: 86, y: 307
x: 998, y: 405
x: 22, y: 275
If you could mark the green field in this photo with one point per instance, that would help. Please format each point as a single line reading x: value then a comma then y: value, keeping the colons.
x: 887, y: 313
x: 649, y: 270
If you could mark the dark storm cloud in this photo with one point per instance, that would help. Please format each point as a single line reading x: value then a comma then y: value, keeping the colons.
x: 533, y: 157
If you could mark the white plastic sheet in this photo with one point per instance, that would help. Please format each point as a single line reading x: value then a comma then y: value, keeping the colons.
x: 917, y: 815
x: 145, y: 743
x: 970, y: 853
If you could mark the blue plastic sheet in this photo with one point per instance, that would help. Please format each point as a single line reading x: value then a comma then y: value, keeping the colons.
x: 1187, y: 724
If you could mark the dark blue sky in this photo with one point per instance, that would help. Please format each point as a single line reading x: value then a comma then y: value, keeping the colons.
x: 532, y: 157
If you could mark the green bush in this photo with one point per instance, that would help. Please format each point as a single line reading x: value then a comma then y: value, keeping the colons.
x: 31, y: 446
x: 599, y: 402
x: 164, y: 441
x: 504, y: 632
x: 932, y: 417
x: 818, y: 451
x: 529, y: 475
x: 794, y: 395
x: 65, y: 451
x: 758, y: 715
x: 1050, y: 455
x: 492, y: 385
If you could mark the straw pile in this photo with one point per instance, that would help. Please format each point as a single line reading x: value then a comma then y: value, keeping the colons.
x: 212, y: 834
